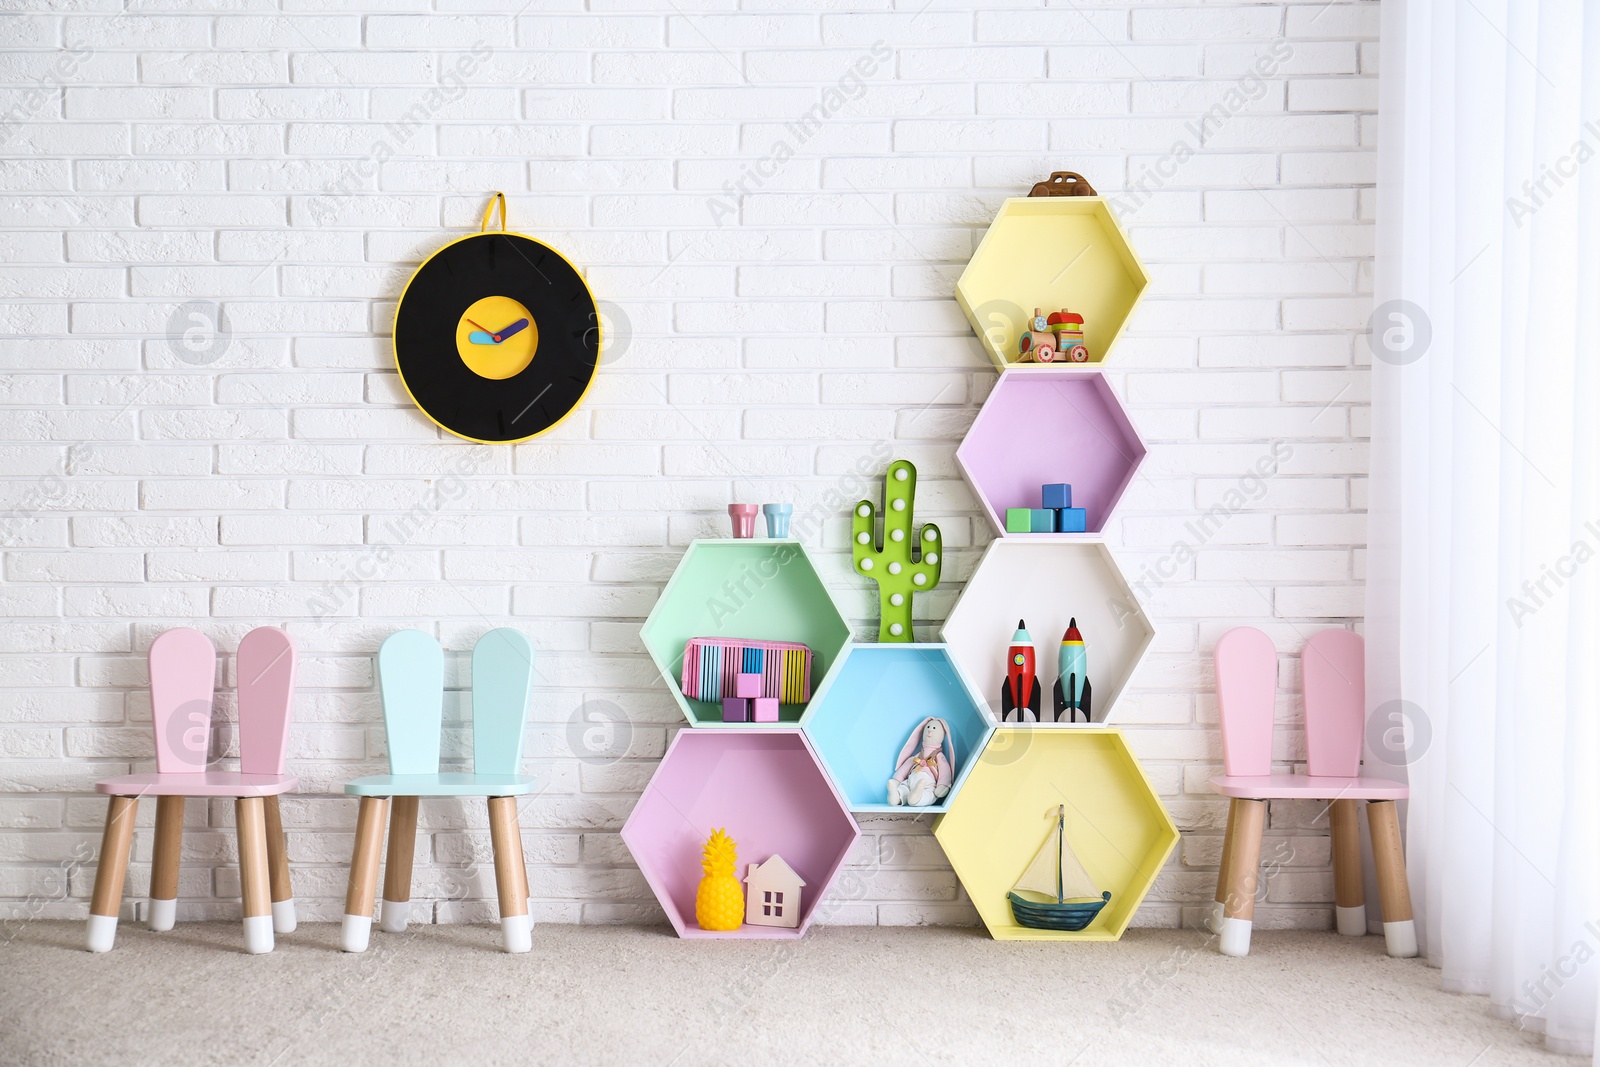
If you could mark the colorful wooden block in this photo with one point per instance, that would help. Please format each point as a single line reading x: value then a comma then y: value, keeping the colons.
x: 1072, y: 520
x: 736, y: 709
x: 765, y: 709
x: 1056, y: 495
x: 1019, y: 520
x: 747, y: 685
x: 1041, y: 520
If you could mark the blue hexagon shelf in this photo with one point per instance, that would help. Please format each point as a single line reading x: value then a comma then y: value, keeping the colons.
x: 869, y: 703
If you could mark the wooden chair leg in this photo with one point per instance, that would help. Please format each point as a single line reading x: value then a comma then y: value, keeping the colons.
x: 164, y: 865
x: 505, y: 835
x: 250, y: 813
x: 1349, y: 898
x: 1219, y: 903
x: 363, y: 874
x: 1394, y: 892
x: 1244, y: 870
x: 115, y: 845
x: 283, y: 916
x: 396, y: 909
x: 522, y: 872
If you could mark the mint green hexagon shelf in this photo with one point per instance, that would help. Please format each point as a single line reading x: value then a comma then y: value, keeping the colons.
x: 1051, y: 252
x: 765, y: 590
x: 875, y: 695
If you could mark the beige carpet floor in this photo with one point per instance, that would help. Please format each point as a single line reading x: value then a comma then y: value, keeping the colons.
x: 634, y: 995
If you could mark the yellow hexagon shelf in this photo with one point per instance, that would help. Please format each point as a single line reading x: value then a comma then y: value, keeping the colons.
x: 1006, y: 814
x: 1051, y: 253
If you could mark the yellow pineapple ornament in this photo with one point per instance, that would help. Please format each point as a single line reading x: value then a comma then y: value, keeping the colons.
x: 719, y: 902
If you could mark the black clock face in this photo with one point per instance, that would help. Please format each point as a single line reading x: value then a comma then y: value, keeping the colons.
x: 497, y: 337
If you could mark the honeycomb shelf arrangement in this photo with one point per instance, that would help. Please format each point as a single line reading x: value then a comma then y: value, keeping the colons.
x: 1118, y: 828
x: 869, y: 704
x: 779, y: 789
x: 1051, y: 253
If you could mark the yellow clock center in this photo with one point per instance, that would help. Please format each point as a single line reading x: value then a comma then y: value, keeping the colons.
x: 496, y: 337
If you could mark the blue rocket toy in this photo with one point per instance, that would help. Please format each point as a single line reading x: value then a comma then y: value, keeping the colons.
x: 1072, y: 686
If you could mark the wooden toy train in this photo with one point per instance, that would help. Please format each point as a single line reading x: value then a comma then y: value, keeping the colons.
x: 1048, y: 338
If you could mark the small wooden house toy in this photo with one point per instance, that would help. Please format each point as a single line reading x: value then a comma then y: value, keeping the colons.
x: 772, y: 894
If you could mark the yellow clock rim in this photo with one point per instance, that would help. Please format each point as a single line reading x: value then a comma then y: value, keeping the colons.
x: 600, y: 338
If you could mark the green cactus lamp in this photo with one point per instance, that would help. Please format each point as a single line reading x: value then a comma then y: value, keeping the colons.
x: 890, y: 564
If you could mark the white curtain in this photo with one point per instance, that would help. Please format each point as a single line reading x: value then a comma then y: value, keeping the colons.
x: 1484, y: 526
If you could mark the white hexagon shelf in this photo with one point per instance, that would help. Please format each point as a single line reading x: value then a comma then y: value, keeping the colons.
x: 871, y: 701
x: 1048, y: 583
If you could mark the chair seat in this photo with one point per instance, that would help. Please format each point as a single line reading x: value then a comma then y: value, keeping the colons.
x: 198, y: 784
x: 1305, y: 787
x: 445, y: 784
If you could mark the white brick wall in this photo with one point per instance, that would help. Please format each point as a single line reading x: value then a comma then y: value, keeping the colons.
x: 296, y: 166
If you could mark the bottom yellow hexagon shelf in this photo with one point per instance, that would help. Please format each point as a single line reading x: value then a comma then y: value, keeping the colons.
x: 1006, y: 814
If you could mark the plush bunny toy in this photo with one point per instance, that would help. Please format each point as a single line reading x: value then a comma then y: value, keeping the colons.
x: 926, y: 767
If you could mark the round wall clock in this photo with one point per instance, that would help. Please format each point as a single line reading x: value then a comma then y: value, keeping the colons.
x: 496, y: 336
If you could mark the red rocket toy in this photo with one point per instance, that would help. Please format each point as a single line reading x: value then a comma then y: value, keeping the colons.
x: 1019, y: 693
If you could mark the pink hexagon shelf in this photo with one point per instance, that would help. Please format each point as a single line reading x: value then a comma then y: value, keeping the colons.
x: 1050, y: 426
x: 767, y: 788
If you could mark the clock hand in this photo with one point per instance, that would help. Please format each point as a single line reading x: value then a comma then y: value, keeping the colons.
x: 479, y: 325
x: 515, y: 327
x: 479, y: 337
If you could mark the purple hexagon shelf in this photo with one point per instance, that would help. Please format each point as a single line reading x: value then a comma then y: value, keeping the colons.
x: 767, y: 788
x: 1050, y: 426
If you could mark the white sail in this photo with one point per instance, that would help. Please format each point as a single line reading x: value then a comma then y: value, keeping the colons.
x: 1054, y: 856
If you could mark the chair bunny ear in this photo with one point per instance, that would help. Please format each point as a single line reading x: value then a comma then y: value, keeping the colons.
x: 914, y: 742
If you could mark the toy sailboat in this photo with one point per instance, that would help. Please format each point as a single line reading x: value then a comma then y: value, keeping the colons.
x: 1061, y: 895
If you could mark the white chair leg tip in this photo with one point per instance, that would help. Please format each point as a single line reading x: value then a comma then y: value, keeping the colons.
x: 1400, y: 939
x: 518, y: 931
x: 283, y: 916
x: 394, y: 915
x: 258, y: 934
x: 163, y: 915
x: 355, y: 933
x: 102, y: 933
x: 1351, y: 922
x: 1235, y: 937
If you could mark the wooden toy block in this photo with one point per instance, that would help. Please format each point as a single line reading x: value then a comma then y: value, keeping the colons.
x: 765, y: 709
x: 747, y: 685
x: 1057, y: 495
x: 1072, y: 520
x: 1019, y: 520
x: 736, y: 709
x: 1041, y: 520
